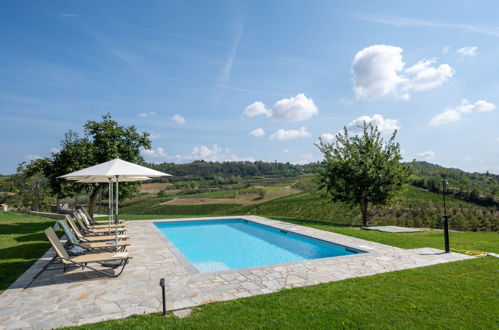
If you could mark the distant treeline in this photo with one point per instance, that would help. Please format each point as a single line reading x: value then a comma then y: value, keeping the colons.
x: 202, y: 170
x: 477, y: 188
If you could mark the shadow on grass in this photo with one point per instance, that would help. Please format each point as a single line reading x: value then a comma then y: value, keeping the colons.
x: 32, y: 237
x: 24, y: 251
x: 9, y: 272
x: 24, y: 227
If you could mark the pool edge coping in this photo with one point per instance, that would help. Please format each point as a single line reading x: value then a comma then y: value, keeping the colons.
x: 193, y: 271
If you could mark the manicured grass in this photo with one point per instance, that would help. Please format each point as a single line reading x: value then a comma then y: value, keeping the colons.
x: 459, y: 295
x: 461, y: 241
x: 22, y: 242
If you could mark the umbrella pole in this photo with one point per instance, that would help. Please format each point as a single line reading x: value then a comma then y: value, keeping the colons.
x: 116, y: 220
x: 110, y: 203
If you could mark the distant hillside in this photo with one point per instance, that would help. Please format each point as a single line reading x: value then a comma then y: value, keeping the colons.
x: 477, y: 188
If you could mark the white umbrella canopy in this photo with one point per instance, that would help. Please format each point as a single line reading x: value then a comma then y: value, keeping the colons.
x: 113, y: 171
x: 116, y: 169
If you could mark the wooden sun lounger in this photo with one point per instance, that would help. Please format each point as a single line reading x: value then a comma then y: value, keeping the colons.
x: 100, y: 231
x: 83, y: 223
x: 82, y: 260
x: 97, y: 222
x: 85, y: 238
x: 109, y: 246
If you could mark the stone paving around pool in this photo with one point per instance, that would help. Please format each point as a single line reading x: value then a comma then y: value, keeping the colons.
x: 75, y: 297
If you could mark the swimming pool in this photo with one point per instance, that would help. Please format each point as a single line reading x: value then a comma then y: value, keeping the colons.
x: 237, y: 243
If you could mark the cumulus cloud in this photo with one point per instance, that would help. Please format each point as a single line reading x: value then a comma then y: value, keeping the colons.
x: 215, y: 153
x: 178, y: 119
x: 426, y: 155
x: 385, y: 126
x: 284, y: 135
x: 155, y: 153
x: 456, y: 114
x: 54, y: 150
x: 468, y: 51
x: 33, y: 157
x: 379, y: 70
x: 297, y: 108
x: 328, y: 137
x: 154, y: 136
x: 306, y: 159
x: 146, y: 114
x: 257, y: 132
x: 256, y: 109
x: 424, y: 76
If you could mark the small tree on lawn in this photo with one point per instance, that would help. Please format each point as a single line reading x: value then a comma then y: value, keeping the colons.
x: 103, y: 141
x: 362, y: 169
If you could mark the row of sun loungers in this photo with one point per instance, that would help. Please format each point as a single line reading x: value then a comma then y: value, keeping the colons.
x: 88, y: 242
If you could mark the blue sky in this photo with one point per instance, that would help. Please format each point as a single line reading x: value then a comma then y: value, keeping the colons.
x: 253, y: 80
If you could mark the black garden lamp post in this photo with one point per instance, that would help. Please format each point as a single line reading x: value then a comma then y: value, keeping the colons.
x: 445, y: 221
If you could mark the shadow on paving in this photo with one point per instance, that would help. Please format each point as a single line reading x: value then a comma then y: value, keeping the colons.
x: 55, y: 275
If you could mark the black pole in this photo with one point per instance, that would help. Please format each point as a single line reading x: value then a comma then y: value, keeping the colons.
x: 162, y: 285
x: 446, y: 217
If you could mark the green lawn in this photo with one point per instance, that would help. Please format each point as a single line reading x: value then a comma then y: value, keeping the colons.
x: 454, y: 295
x: 22, y: 242
x: 459, y: 295
x: 462, y: 241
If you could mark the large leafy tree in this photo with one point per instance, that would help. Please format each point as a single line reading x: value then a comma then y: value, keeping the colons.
x: 102, y: 141
x: 362, y: 169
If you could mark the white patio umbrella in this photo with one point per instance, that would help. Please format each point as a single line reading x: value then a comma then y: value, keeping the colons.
x: 113, y: 171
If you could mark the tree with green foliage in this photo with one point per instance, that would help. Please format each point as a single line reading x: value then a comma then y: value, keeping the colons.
x: 32, y: 190
x: 362, y: 169
x: 103, y: 141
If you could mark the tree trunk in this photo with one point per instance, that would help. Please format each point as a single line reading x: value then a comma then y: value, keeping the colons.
x: 91, y: 200
x: 365, y: 215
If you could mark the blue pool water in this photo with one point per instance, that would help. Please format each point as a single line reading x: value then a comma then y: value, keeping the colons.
x: 236, y: 243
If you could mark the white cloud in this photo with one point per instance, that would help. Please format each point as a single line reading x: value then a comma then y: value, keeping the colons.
x: 33, y: 157
x: 297, y: 108
x: 455, y: 114
x: 379, y: 70
x: 468, y: 51
x: 155, y: 153
x: 445, y: 50
x: 178, y: 119
x: 285, y: 150
x: 306, y: 159
x: 256, y: 109
x: 426, y: 155
x: 257, y: 132
x: 154, y: 136
x: 328, y: 137
x: 425, y: 76
x: 284, y: 135
x: 214, y: 154
x: 54, y: 150
x: 146, y: 114
x: 445, y: 117
x: 294, y: 108
x: 385, y: 126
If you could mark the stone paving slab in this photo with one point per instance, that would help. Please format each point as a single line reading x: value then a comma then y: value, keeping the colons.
x: 393, y: 229
x: 80, y: 297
